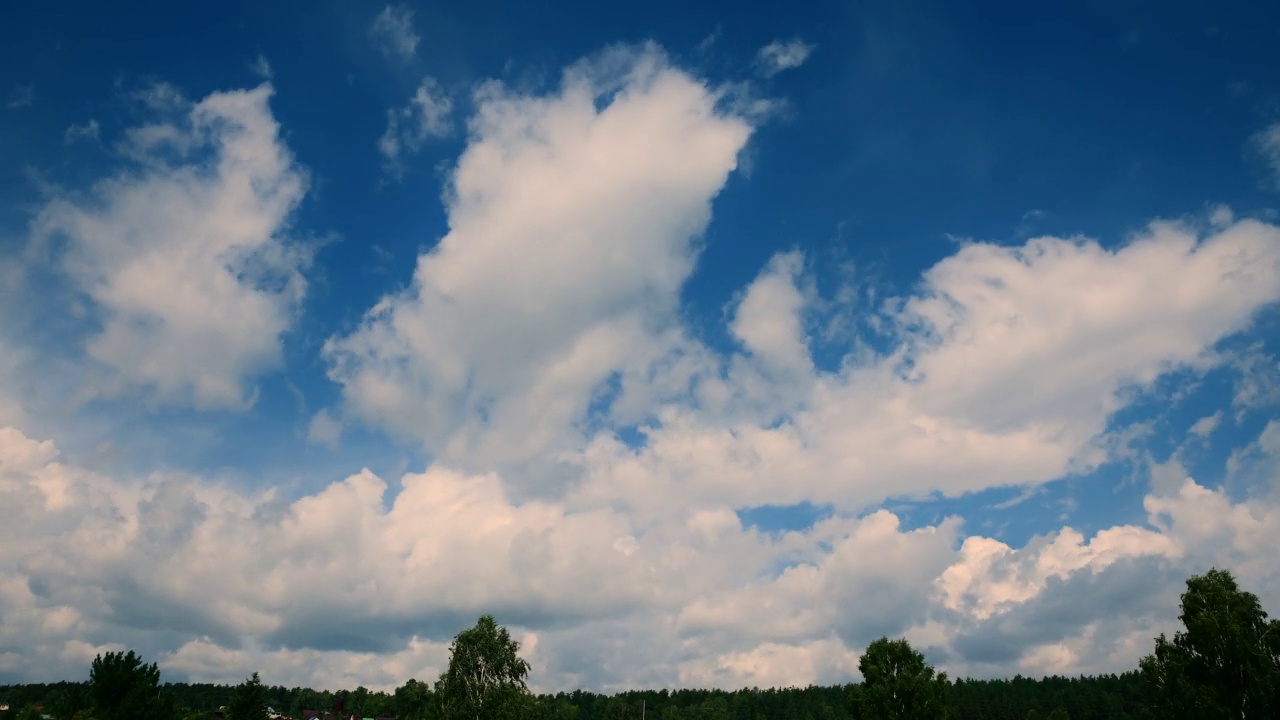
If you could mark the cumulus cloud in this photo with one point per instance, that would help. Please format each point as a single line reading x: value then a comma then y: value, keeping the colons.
x: 393, y: 31
x: 426, y: 116
x: 781, y: 55
x: 545, y: 327
x: 353, y: 585
x: 1010, y: 362
x: 186, y: 256
x: 573, y: 223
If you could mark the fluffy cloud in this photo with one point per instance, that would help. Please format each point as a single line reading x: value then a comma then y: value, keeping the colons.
x: 781, y: 55
x: 185, y: 255
x: 1009, y: 364
x: 426, y: 116
x: 589, y: 452
x: 393, y: 31
x: 348, y: 586
x: 573, y: 223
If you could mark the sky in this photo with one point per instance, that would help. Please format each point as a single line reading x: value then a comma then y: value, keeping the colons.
x: 701, y: 344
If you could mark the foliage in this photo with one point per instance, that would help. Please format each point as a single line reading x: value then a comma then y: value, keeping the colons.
x: 486, y: 675
x: 414, y: 701
x: 122, y: 687
x: 249, y: 701
x: 1226, y: 663
x: 898, y: 683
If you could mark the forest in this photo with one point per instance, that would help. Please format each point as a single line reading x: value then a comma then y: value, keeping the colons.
x: 1225, y: 662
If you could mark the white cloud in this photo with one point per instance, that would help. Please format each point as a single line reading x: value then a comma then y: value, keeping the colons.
x: 768, y: 320
x: 1205, y: 426
x: 261, y: 67
x: 1221, y: 216
x: 1257, y: 381
x: 1011, y: 362
x: 324, y: 429
x: 161, y: 98
x: 426, y: 116
x: 572, y: 228
x: 781, y: 55
x: 89, y: 132
x: 187, y: 261
x: 393, y: 31
x: 1256, y: 465
x: 211, y: 662
x: 347, y: 586
x: 545, y: 321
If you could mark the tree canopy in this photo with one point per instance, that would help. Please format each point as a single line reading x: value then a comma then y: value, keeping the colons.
x: 1226, y: 660
x: 486, y: 677
x: 249, y: 701
x: 122, y: 687
x: 898, y: 683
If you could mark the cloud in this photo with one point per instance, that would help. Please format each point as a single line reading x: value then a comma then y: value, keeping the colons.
x: 186, y: 259
x: 1205, y: 426
x: 589, y: 453
x: 1255, y: 466
x: 1009, y: 363
x: 160, y: 98
x: 393, y: 31
x: 87, y: 132
x: 1267, y: 145
x: 261, y: 67
x: 781, y: 55
x: 1257, y: 382
x: 426, y: 116
x: 21, y: 96
x: 573, y: 224
x: 353, y: 585
x: 324, y: 429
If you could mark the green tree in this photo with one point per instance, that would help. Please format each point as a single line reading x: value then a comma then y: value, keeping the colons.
x: 485, y: 679
x: 359, y: 701
x: 67, y: 703
x: 249, y: 701
x: 122, y: 687
x: 898, y: 683
x: 1225, y: 663
x: 414, y: 701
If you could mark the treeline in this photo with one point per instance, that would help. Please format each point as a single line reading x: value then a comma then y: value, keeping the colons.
x: 1225, y: 663
x: 1085, y: 698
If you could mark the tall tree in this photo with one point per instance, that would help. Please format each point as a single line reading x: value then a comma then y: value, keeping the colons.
x: 1226, y: 663
x: 898, y: 683
x: 122, y: 687
x: 485, y: 679
x: 249, y: 701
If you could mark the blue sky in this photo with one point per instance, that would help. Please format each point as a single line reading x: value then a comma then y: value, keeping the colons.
x: 803, y: 326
